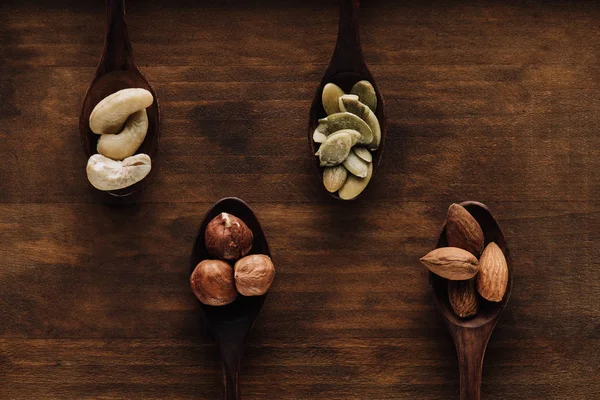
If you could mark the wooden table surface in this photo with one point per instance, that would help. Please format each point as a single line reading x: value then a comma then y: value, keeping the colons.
x: 495, y: 101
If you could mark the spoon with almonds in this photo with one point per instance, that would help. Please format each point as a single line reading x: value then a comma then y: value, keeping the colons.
x: 471, y: 335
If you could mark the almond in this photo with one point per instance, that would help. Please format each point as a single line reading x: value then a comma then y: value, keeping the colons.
x: 463, y: 231
x: 493, y: 273
x: 451, y: 263
x: 463, y: 297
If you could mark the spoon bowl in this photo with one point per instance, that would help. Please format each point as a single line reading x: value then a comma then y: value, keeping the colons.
x: 471, y: 335
x: 231, y: 324
x: 347, y: 66
x: 117, y: 70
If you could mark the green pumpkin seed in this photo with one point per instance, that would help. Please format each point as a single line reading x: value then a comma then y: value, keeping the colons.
x: 363, y: 153
x: 355, y: 185
x: 373, y: 123
x: 336, y: 148
x: 319, y: 136
x: 346, y: 96
x: 355, y: 135
x: 334, y: 178
x: 346, y: 120
x: 351, y: 104
x: 355, y: 165
x: 366, y: 93
x: 329, y: 97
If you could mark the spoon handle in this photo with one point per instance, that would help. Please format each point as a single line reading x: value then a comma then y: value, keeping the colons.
x: 348, y: 52
x: 231, y: 358
x: 470, y: 348
x: 117, y: 48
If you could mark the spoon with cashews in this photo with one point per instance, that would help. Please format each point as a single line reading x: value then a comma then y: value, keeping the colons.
x: 119, y: 121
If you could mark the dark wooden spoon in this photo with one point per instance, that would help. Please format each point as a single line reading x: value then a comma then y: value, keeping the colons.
x: 347, y: 66
x: 471, y: 336
x: 117, y: 70
x: 231, y: 324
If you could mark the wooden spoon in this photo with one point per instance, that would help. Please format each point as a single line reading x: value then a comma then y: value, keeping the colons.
x: 231, y: 324
x: 347, y: 66
x: 471, y: 336
x: 117, y: 70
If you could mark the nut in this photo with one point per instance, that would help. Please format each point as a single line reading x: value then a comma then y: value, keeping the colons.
x: 350, y: 103
x: 366, y: 93
x: 228, y: 237
x: 337, y: 147
x: 346, y: 120
x: 329, y: 98
x: 334, y: 178
x: 355, y: 185
x: 212, y: 283
x: 319, y: 135
x: 373, y: 123
x: 493, y: 273
x: 451, y: 263
x: 463, y: 231
x: 356, y: 166
x: 363, y: 153
x: 110, y: 114
x: 254, y: 275
x: 106, y: 174
x: 125, y: 144
x: 463, y: 298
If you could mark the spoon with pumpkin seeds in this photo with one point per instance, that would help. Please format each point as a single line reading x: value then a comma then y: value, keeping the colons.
x: 347, y: 98
x: 346, y: 137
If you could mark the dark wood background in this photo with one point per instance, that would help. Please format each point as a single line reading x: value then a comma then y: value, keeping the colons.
x: 494, y: 101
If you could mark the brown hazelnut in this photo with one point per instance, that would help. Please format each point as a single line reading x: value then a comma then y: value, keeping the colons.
x: 254, y: 275
x: 212, y: 283
x: 228, y: 237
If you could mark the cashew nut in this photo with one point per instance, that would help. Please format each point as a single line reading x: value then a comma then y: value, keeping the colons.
x: 125, y: 144
x: 106, y: 174
x: 111, y: 113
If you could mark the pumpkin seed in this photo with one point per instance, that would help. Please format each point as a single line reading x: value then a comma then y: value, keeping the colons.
x: 346, y: 120
x: 355, y: 165
x: 355, y: 185
x: 334, y: 178
x: 329, y: 98
x: 373, y: 123
x: 366, y: 94
x: 363, y: 153
x: 336, y: 148
x: 318, y: 135
x: 351, y: 104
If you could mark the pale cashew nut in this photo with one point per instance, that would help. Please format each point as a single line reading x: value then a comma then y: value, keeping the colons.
x: 106, y: 174
x: 125, y: 144
x: 111, y: 113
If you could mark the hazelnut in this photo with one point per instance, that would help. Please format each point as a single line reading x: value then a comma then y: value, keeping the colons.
x: 228, y: 237
x: 254, y: 275
x: 212, y: 283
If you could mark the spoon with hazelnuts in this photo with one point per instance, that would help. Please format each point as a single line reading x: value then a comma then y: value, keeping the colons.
x: 231, y: 272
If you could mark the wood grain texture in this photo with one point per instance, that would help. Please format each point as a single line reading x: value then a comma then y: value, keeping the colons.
x: 493, y: 101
